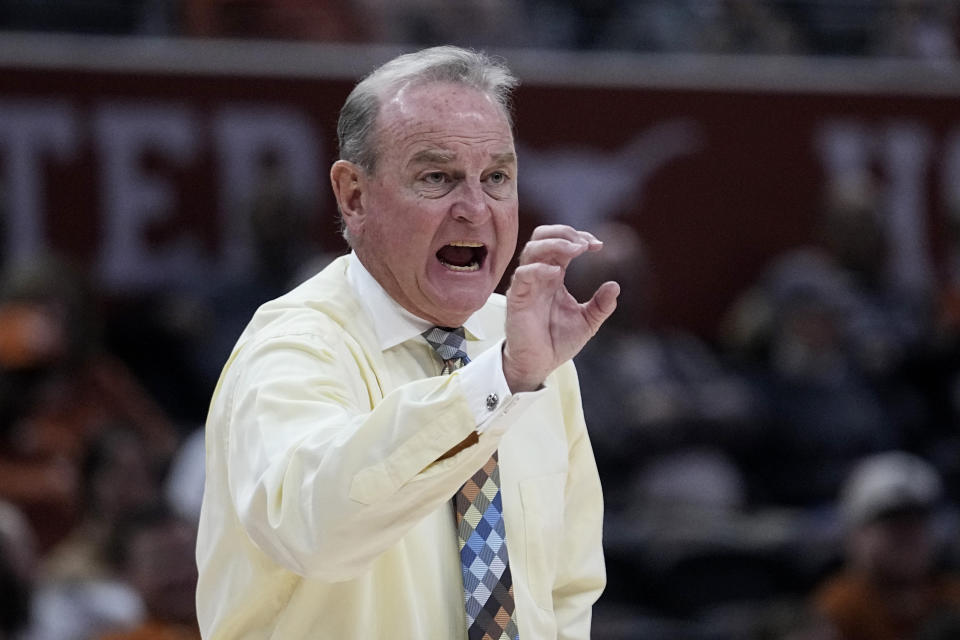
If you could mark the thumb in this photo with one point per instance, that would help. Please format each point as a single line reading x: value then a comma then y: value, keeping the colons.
x: 603, y: 303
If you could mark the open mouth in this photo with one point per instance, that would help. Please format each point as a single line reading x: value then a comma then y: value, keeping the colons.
x: 462, y: 256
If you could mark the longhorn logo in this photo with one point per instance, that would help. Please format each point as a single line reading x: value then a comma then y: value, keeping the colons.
x: 584, y: 187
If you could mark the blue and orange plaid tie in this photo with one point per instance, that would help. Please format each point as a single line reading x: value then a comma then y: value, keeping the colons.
x: 487, y: 583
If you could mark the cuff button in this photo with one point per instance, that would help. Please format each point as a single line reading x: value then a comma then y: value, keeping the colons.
x: 492, y: 401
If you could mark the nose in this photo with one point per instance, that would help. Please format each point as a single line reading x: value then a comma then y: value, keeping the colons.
x: 470, y: 204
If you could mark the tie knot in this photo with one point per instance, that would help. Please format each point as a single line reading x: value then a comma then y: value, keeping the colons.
x: 448, y: 343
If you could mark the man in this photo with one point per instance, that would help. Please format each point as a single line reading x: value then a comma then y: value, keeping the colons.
x: 336, y: 444
x: 892, y: 585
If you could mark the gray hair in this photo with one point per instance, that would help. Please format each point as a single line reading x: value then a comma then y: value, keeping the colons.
x: 358, y: 116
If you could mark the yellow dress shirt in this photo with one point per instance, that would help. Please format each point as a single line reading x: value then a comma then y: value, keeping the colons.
x: 325, y: 513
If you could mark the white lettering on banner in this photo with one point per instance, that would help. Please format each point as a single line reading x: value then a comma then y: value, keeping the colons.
x: 898, y: 154
x: 132, y: 199
x: 30, y: 130
x: 581, y: 186
x: 243, y: 135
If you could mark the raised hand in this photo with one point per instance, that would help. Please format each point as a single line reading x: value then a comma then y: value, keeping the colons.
x: 546, y: 326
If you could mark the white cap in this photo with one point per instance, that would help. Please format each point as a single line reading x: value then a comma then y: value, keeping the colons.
x: 886, y: 482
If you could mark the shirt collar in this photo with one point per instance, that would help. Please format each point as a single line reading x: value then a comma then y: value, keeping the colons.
x: 392, y: 323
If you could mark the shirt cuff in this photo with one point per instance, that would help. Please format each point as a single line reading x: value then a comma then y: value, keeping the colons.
x: 485, y: 386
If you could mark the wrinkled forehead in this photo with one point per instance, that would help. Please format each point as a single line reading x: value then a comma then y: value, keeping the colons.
x: 439, y: 108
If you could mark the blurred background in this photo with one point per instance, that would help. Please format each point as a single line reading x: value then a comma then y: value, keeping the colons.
x: 774, y: 406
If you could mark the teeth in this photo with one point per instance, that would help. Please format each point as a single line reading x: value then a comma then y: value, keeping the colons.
x: 473, y: 266
x: 466, y: 244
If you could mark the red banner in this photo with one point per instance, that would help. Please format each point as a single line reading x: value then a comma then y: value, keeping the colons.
x: 147, y: 176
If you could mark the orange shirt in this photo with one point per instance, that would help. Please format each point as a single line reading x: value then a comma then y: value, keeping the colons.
x: 860, y: 610
x: 156, y: 630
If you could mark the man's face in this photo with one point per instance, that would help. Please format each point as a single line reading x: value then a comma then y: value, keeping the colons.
x: 899, y: 546
x: 439, y: 221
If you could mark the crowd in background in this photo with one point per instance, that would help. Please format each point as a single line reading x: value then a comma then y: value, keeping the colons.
x: 799, y: 477
x: 914, y: 28
x: 796, y: 478
x: 102, y: 404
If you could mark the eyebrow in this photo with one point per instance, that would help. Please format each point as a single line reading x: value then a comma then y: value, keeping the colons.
x: 432, y: 156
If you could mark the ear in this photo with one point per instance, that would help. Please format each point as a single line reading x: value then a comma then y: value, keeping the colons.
x: 348, y: 181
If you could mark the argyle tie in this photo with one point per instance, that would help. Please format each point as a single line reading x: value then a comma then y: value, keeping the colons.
x: 487, y: 583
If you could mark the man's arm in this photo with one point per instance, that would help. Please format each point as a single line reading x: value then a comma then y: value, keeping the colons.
x: 324, y: 477
x: 322, y: 482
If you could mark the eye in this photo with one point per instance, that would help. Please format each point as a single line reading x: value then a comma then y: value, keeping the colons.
x: 435, y: 177
x: 497, y: 177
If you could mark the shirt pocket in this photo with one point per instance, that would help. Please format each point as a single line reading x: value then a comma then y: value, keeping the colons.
x: 541, y: 498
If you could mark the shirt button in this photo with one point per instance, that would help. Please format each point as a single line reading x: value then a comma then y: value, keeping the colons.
x: 492, y: 401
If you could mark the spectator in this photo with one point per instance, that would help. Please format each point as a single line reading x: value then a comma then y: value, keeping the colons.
x: 155, y: 553
x: 82, y: 592
x: 40, y: 481
x: 821, y: 410
x: 849, y: 270
x: 828, y: 339
x: 117, y: 478
x: 60, y: 389
x: 891, y: 586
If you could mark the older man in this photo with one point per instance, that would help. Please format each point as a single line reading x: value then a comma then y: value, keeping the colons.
x: 393, y: 451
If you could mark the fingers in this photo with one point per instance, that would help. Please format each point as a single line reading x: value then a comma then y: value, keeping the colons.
x: 553, y: 251
x: 565, y: 232
x: 558, y: 245
x: 532, y: 280
x: 603, y: 303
